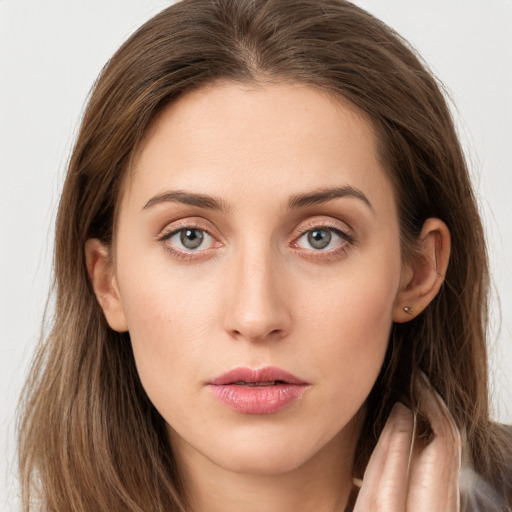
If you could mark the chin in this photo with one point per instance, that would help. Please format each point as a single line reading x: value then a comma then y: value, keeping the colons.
x: 272, y: 451
x: 266, y: 445
x: 263, y: 461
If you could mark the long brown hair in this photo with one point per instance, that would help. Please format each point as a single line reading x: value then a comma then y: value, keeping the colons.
x: 89, y: 438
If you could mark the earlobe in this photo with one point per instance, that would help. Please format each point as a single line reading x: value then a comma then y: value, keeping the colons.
x: 99, y: 268
x: 423, y: 276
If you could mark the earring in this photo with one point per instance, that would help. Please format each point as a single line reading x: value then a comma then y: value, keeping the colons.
x: 408, y: 310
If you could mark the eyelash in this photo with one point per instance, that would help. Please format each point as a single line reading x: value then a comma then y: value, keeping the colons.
x: 330, y: 254
x: 182, y: 255
x: 315, y: 254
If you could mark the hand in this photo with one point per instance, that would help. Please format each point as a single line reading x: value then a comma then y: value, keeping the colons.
x: 407, y: 475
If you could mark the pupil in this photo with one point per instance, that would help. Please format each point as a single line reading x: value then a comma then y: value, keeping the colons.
x: 191, y: 238
x: 319, y: 238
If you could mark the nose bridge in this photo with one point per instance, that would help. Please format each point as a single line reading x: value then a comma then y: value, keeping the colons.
x: 257, y: 308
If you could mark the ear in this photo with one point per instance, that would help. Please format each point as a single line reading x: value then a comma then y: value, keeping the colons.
x: 423, y: 276
x: 99, y: 267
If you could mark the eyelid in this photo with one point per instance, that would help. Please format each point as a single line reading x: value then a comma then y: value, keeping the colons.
x: 187, y: 255
x: 342, y: 230
x: 340, y: 227
x: 187, y: 223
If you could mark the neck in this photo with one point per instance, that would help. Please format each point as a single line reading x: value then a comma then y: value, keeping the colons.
x: 321, y: 484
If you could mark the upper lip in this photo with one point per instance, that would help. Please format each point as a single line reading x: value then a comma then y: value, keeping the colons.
x: 267, y: 374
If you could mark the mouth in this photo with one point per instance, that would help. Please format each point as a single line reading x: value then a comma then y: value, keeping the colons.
x: 258, y: 384
x: 264, y: 391
x: 267, y: 376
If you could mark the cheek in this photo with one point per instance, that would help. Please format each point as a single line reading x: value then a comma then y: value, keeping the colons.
x: 349, y: 321
x: 170, y: 321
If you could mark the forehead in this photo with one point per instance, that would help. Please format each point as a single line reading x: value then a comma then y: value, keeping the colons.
x: 243, y: 142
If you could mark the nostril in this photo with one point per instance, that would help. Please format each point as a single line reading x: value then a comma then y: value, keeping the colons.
x: 274, y: 334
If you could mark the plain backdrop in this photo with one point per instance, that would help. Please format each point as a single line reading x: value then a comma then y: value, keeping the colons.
x: 50, y: 54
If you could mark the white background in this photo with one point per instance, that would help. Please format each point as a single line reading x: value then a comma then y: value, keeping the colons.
x: 50, y: 54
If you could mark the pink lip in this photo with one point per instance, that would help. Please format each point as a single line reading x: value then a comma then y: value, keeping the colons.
x: 263, y: 391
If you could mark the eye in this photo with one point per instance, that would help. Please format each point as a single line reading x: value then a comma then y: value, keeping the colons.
x: 323, y: 239
x: 188, y: 239
x: 319, y: 238
x: 192, y: 238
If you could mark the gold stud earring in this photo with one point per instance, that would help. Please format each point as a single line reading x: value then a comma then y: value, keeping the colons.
x: 408, y: 310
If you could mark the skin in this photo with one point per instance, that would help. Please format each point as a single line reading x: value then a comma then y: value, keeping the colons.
x: 257, y: 293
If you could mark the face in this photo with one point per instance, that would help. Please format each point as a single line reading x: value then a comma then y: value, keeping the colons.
x: 257, y: 263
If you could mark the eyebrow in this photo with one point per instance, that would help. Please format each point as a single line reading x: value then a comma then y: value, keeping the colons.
x: 327, y: 194
x: 296, y: 201
x: 179, y: 196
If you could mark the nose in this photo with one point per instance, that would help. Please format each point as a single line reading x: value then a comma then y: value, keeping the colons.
x: 257, y: 308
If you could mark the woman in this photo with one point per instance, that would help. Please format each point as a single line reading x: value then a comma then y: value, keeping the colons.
x: 271, y: 279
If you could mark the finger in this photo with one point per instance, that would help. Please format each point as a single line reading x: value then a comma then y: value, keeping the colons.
x: 435, y: 467
x: 384, y: 487
x: 434, y: 407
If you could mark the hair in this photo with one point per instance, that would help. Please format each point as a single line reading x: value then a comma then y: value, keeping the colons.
x: 89, y: 437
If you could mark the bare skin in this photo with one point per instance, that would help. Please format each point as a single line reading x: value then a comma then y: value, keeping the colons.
x: 405, y: 475
x: 242, y: 169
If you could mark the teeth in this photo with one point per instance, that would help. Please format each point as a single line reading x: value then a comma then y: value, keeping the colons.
x: 256, y: 384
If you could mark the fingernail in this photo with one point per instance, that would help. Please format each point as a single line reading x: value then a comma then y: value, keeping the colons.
x: 357, y: 482
x: 425, y: 379
x: 432, y: 389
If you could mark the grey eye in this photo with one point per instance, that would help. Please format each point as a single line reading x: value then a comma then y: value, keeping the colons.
x: 319, y: 238
x: 191, y: 238
x: 323, y: 239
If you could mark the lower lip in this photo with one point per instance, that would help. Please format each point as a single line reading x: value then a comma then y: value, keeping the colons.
x: 258, y: 400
